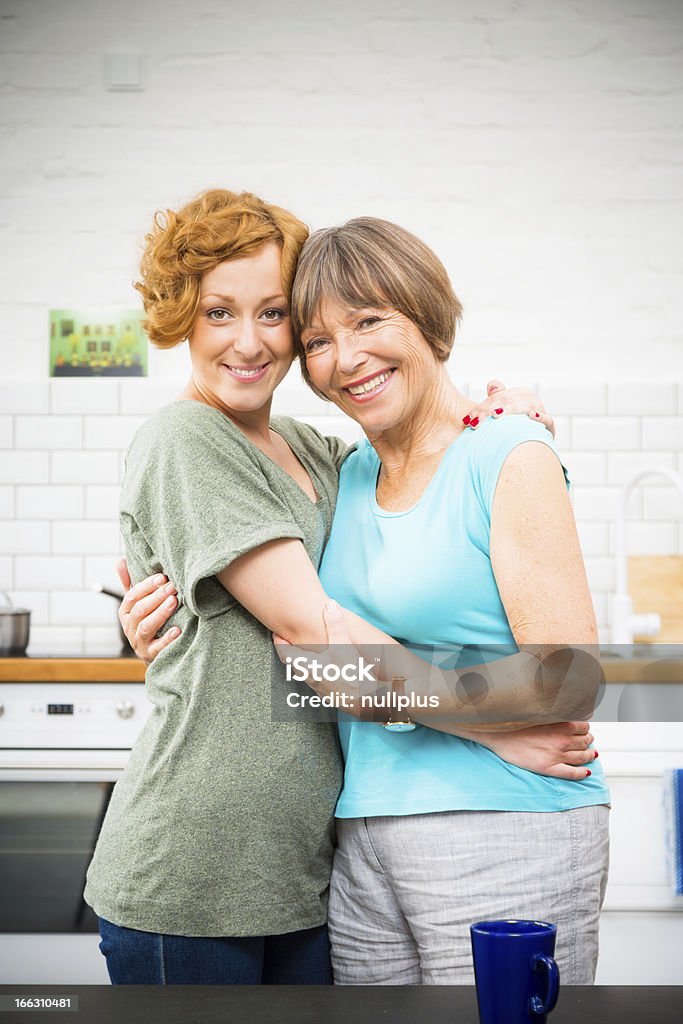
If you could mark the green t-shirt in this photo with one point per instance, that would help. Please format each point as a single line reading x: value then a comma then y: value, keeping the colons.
x: 222, y: 823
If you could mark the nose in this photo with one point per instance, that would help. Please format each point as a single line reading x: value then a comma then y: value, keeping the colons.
x: 247, y: 341
x: 350, y: 356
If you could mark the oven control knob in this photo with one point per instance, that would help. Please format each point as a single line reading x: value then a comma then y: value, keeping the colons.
x: 124, y: 709
x: 2, y: 710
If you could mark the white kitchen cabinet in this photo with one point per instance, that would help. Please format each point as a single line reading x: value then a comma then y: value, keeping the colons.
x: 641, y: 932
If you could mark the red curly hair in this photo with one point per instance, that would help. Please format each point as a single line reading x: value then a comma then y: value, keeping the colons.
x: 217, y: 225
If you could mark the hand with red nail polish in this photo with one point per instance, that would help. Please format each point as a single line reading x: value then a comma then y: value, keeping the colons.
x: 511, y: 401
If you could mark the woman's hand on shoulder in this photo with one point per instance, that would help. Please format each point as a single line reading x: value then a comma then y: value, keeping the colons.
x: 561, y: 750
x: 144, y: 611
x: 502, y: 401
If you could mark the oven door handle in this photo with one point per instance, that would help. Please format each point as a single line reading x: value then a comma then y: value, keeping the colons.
x: 46, y: 774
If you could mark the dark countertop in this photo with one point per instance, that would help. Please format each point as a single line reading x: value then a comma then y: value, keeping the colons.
x: 101, y: 1004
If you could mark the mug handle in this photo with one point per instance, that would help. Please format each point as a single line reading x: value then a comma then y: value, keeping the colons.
x: 536, y: 1004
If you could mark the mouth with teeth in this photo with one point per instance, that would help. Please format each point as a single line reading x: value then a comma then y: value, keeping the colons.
x: 366, y: 389
x: 247, y: 373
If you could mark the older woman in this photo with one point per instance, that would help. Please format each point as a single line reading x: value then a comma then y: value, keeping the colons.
x: 442, y: 535
x: 213, y: 861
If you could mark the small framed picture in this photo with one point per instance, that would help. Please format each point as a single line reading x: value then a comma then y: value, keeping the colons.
x: 97, y: 343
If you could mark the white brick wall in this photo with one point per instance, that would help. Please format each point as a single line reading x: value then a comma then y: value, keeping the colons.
x: 60, y: 537
x: 536, y: 145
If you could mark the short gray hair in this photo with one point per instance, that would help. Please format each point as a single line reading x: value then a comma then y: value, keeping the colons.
x: 372, y: 262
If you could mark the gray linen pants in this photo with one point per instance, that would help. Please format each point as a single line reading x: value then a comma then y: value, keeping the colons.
x: 405, y: 890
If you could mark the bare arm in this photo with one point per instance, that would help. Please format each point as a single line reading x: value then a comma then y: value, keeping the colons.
x: 537, y: 562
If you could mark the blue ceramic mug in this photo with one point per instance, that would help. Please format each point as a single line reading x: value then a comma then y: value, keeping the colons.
x: 517, y: 978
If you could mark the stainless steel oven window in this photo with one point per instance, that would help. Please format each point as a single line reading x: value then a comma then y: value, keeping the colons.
x: 48, y: 831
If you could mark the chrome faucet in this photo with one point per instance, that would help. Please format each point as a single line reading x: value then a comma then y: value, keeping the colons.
x: 624, y: 622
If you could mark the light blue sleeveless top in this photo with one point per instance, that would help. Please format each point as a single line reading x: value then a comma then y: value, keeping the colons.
x: 424, y: 576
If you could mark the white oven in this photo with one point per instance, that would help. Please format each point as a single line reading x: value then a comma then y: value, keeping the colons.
x: 62, y: 748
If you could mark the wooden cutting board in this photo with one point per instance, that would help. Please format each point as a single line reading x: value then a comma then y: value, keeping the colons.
x: 655, y: 583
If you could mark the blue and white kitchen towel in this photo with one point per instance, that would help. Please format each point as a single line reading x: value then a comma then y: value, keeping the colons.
x: 673, y: 804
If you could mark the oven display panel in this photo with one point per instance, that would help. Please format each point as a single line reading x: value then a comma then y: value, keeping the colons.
x: 60, y: 709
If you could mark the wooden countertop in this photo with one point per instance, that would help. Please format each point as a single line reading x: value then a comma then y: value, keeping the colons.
x: 131, y: 670
x: 72, y: 670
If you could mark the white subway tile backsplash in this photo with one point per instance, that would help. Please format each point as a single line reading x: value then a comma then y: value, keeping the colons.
x: 640, y: 398
x: 665, y: 433
x: 24, y: 538
x: 84, y: 396
x: 24, y: 396
x: 85, y: 538
x: 24, y: 467
x: 102, y: 569
x: 6, y: 432
x: 662, y: 503
x: 586, y: 468
x: 594, y: 538
x: 111, y: 432
x: 36, y: 601
x: 623, y: 466
x: 85, y: 467
x: 49, y: 572
x: 74, y: 608
x: 6, y: 573
x: 600, y: 609
x: 602, y: 503
x: 648, y: 538
x: 48, y: 432
x: 55, y: 641
x: 102, y: 502
x: 564, y: 434
x: 51, y: 502
x: 573, y: 400
x: 6, y: 502
x: 102, y: 641
x: 600, y: 573
x: 143, y: 397
x: 606, y: 433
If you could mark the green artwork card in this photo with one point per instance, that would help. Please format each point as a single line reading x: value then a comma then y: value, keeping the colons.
x: 97, y: 343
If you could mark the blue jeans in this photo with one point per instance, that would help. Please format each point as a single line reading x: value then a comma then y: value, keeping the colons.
x: 147, y: 958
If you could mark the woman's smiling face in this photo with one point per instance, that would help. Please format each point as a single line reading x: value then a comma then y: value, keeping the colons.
x: 372, y: 362
x: 241, y: 343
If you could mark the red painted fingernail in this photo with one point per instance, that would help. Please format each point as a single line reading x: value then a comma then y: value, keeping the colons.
x: 588, y: 773
x: 538, y: 415
x: 596, y: 755
x: 474, y: 422
x: 498, y: 411
x: 466, y: 420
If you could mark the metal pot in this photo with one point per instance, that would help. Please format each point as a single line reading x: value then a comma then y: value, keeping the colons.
x: 15, y: 624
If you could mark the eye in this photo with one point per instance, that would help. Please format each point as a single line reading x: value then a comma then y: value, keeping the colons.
x: 315, y: 345
x: 369, y: 321
x: 218, y: 315
x: 274, y: 316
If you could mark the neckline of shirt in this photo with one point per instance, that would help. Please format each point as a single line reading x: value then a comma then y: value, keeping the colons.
x: 384, y: 513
